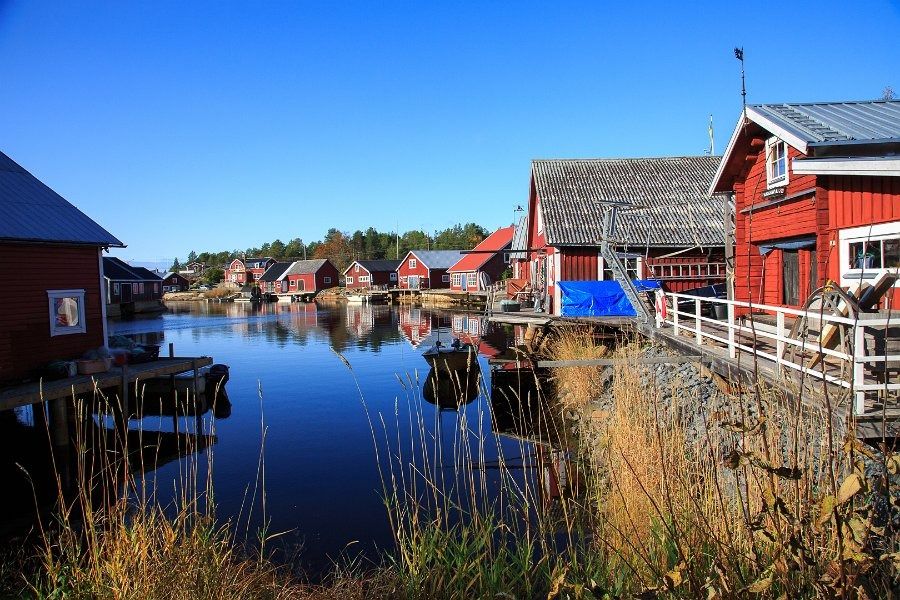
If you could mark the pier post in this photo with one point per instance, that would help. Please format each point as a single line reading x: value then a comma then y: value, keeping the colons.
x: 59, y: 439
x: 779, y: 342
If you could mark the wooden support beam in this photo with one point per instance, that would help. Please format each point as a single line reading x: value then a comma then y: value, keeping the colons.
x: 610, y: 362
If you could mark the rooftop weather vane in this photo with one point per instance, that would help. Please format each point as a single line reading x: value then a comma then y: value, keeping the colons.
x: 739, y: 54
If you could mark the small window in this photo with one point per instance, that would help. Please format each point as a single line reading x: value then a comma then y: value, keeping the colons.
x: 356, y: 269
x: 327, y: 280
x: 349, y: 280
x: 66, y: 312
x: 506, y: 258
x: 457, y: 280
x: 445, y: 279
x: 413, y: 263
x: 293, y: 283
x: 363, y: 279
x: 116, y: 289
x: 471, y: 280
x: 776, y: 162
x: 393, y: 276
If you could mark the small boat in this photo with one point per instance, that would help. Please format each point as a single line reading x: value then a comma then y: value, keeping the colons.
x: 454, y: 357
x: 356, y: 298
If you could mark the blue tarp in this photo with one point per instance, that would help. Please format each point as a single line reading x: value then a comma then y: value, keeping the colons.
x: 599, y: 298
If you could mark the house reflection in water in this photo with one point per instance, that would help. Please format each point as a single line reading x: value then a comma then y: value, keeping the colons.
x: 522, y: 411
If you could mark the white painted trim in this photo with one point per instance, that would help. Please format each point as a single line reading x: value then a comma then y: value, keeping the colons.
x: 771, y: 143
x: 103, y: 298
x: 884, y: 166
x: 82, y: 312
x: 880, y: 231
x: 557, y: 301
x: 728, y: 150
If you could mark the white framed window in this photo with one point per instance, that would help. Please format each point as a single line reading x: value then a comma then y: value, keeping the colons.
x: 394, y: 276
x: 631, y: 262
x: 356, y: 269
x: 116, y: 289
x: 364, y: 279
x: 66, y: 312
x: 506, y: 258
x: 293, y: 283
x: 327, y: 280
x: 776, y: 162
x: 349, y: 279
x: 868, y: 251
x: 413, y: 263
x: 471, y: 280
x: 445, y: 278
x: 456, y: 280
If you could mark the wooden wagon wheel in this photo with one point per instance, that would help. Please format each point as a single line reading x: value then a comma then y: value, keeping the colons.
x: 828, y: 300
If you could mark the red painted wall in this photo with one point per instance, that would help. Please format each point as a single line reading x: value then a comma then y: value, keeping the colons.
x: 427, y: 279
x: 25, y: 342
x: 376, y: 279
x: 152, y: 290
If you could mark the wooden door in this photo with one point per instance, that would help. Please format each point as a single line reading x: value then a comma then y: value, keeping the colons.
x: 790, y: 277
x: 125, y: 296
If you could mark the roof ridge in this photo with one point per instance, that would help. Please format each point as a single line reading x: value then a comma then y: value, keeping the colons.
x: 624, y: 158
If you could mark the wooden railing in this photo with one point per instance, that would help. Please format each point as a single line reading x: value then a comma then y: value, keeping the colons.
x: 750, y: 333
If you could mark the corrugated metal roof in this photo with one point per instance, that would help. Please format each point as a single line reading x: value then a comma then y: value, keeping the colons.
x: 31, y: 211
x: 437, y: 259
x: 836, y: 122
x: 274, y: 272
x: 520, y: 238
x: 672, y: 208
x: 495, y: 242
x: 304, y: 267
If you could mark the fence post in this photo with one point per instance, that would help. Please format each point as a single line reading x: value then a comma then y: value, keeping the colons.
x: 698, y: 324
x: 859, y: 368
x: 732, y: 350
x: 675, y: 313
x: 779, y: 341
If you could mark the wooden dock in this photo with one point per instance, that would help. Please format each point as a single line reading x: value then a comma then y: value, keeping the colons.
x: 116, y: 377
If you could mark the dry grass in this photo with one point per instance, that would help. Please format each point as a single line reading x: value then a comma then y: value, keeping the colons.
x: 219, y: 292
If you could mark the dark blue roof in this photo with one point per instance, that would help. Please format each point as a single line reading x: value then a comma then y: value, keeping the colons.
x: 35, y: 213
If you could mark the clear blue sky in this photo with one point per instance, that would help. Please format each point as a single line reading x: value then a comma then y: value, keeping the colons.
x: 187, y: 125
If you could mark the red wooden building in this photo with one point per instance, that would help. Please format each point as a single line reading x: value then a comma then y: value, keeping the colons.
x: 484, y: 265
x: 126, y: 284
x: 243, y: 271
x: 174, y: 282
x: 371, y: 274
x: 308, y: 277
x: 51, y: 265
x: 426, y: 269
x: 817, y: 197
x: 673, y: 230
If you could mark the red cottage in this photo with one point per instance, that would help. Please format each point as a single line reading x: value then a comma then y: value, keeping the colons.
x: 371, y: 273
x: 248, y: 270
x: 484, y: 265
x: 817, y: 197
x: 674, y: 232
x: 271, y: 281
x: 424, y: 269
x: 55, y: 309
x: 129, y: 285
x: 308, y: 277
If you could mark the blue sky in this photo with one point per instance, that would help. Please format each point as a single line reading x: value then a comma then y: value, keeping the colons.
x: 183, y: 126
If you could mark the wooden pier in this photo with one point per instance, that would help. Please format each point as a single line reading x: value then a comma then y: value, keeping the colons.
x: 121, y: 378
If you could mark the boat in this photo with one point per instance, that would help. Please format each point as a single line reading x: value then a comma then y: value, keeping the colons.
x: 454, y: 357
x: 356, y: 298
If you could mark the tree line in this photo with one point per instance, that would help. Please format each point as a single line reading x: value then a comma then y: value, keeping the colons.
x: 342, y: 248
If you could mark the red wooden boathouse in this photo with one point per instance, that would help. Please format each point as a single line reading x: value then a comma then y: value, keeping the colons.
x: 426, y: 269
x: 484, y: 264
x: 368, y: 274
x: 817, y: 197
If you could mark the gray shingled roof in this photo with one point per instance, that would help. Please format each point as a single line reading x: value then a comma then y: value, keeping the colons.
x: 31, y: 211
x: 438, y: 259
x: 836, y: 122
x: 377, y: 266
x: 274, y: 272
x: 304, y: 267
x: 520, y: 239
x: 670, y: 193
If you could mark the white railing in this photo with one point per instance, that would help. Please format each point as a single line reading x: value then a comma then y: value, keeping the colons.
x: 749, y: 335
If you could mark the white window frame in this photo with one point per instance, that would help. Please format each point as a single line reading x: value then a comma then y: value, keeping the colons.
x: 506, y: 258
x: 349, y: 279
x: 771, y: 145
x: 356, y: 269
x: 540, y: 219
x: 413, y: 263
x: 639, y: 265
x: 445, y: 278
x: 364, y: 279
x: 327, y: 279
x: 456, y: 280
x: 472, y: 280
x: 867, y: 233
x: 116, y: 289
x: 55, y: 329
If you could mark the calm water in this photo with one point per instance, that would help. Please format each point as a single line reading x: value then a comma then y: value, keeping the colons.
x: 321, y: 475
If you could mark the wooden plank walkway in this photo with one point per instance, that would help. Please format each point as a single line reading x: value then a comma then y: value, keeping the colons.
x: 30, y: 393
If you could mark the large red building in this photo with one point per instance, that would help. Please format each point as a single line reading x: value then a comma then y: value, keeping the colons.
x: 817, y: 197
x: 243, y: 271
x: 368, y: 274
x: 51, y: 263
x: 308, y: 276
x: 426, y: 269
x: 671, y: 229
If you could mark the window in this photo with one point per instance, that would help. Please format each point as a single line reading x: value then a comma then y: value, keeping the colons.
x: 472, y: 280
x: 293, y: 283
x: 631, y: 262
x: 364, y: 279
x: 776, y: 162
x: 456, y: 280
x: 66, y: 312
x: 327, y: 280
x: 413, y: 263
x: 356, y: 269
x: 393, y: 276
x: 506, y: 258
x: 155, y: 288
x: 445, y: 278
x: 116, y: 289
x: 350, y: 280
